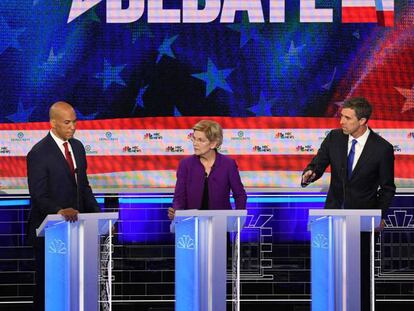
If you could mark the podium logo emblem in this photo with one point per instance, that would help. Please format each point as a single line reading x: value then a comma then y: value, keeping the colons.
x: 185, y: 242
x: 320, y: 241
x: 57, y: 247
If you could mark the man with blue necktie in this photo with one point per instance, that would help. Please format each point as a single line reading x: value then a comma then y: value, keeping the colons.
x: 362, y: 172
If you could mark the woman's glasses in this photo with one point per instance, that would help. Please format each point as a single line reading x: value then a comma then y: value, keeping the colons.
x: 199, y: 140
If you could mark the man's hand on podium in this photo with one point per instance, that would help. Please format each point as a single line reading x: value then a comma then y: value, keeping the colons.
x: 70, y: 214
x: 171, y: 213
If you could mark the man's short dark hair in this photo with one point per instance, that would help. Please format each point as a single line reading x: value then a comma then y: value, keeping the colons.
x: 360, y: 105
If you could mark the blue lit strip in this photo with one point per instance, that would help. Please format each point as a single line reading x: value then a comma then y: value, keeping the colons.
x: 144, y: 200
x: 249, y: 200
x: 14, y: 202
x: 285, y: 200
x: 27, y: 202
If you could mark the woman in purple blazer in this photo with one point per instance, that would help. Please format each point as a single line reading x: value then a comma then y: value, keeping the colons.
x: 204, y: 180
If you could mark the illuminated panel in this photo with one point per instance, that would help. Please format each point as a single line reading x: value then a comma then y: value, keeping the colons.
x: 283, y: 218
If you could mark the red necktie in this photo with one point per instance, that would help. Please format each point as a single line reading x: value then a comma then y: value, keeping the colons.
x: 68, y: 157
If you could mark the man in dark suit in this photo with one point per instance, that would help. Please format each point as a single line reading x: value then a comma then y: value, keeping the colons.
x: 362, y: 172
x: 58, y: 184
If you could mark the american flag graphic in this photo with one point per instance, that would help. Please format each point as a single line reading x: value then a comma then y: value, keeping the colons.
x: 369, y: 11
x: 145, y: 152
x: 138, y: 88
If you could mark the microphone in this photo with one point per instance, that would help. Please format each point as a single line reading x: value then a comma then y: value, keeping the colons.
x: 343, y: 176
x: 77, y: 189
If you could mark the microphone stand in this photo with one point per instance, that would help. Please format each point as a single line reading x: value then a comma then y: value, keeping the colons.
x: 343, y: 177
x: 77, y: 189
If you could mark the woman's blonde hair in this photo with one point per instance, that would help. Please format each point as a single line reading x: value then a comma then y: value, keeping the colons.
x: 211, y: 129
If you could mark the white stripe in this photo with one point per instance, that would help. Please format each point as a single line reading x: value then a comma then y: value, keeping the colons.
x: 385, y: 5
x: 358, y: 3
x: 176, y: 142
x: 285, y: 179
x: 159, y: 181
x: 310, y: 14
x: 380, y: 5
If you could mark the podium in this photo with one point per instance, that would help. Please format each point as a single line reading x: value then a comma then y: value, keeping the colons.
x: 72, y: 260
x: 335, y: 257
x: 201, y: 258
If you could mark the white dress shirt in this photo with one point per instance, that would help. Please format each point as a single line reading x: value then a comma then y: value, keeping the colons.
x: 60, y: 143
x: 359, y: 146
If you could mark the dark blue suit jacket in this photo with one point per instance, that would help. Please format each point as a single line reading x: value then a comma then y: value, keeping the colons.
x: 371, y: 185
x: 51, y: 185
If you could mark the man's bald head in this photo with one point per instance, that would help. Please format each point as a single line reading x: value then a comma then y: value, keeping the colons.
x: 57, y: 108
x: 62, y: 120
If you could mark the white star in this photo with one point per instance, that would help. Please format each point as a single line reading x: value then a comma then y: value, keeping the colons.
x: 409, y: 95
x: 9, y: 37
x: 53, y: 64
x: 22, y: 114
x: 177, y: 113
x: 111, y: 74
x: 356, y: 34
x: 139, y: 102
x: 292, y: 57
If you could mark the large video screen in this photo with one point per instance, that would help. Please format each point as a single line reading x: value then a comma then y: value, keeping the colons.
x: 140, y: 73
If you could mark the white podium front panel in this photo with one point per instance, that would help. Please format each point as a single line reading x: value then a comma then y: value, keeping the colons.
x: 201, y: 256
x: 72, y: 260
x: 335, y: 257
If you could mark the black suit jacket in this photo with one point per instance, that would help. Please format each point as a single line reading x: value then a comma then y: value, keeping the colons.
x: 371, y: 185
x: 52, y: 186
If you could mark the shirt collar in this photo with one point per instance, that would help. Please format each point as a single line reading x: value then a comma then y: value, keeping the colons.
x: 361, y: 139
x: 58, y: 141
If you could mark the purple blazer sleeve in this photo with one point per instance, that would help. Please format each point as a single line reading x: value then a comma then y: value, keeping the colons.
x: 237, y: 188
x: 180, y: 192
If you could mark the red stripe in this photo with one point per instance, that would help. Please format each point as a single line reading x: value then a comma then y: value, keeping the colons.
x: 159, y: 123
x: 385, y: 18
x: 16, y: 166
x: 359, y: 15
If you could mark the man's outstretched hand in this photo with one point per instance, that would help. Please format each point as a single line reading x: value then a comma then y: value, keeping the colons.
x: 307, y: 178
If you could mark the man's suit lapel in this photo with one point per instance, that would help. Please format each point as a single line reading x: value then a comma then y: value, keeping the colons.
x: 343, y: 149
x: 61, y: 160
x: 366, y: 154
x: 54, y: 148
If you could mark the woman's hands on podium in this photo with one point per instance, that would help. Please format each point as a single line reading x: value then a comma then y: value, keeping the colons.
x: 70, y: 214
x: 381, y: 226
x: 171, y: 213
